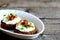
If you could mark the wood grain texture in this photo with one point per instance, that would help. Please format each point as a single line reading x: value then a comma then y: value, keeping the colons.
x: 46, y: 12
x: 52, y: 26
x: 33, y: 4
x: 42, y: 12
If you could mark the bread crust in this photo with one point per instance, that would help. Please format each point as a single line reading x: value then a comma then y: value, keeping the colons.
x: 7, y: 26
x: 31, y: 32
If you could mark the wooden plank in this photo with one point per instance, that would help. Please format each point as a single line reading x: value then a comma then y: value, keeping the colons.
x: 46, y: 12
x: 41, y: 12
x: 34, y: 4
x: 30, y: 0
x: 52, y: 29
x: 26, y: 0
x: 51, y: 20
x: 23, y: 9
x: 57, y: 37
x: 46, y: 37
x: 52, y: 26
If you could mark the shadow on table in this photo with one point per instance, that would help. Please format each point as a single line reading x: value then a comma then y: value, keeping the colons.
x: 7, y: 37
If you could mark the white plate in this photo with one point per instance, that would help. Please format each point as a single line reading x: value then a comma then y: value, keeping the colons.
x: 24, y: 15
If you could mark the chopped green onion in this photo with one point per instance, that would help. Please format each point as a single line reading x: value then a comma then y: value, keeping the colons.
x: 30, y: 22
x: 25, y: 26
x: 22, y: 28
x: 32, y: 26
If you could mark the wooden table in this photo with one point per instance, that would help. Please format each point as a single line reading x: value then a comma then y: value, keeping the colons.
x: 47, y: 11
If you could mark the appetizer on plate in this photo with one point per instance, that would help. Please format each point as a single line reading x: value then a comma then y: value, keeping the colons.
x: 9, y: 21
x: 25, y: 27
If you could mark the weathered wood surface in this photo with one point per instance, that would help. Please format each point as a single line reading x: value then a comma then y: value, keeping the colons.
x: 42, y: 12
x: 31, y: 3
x: 47, y: 10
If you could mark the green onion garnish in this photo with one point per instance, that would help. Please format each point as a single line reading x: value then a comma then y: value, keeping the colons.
x: 32, y: 26
x: 22, y: 28
x: 30, y: 22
